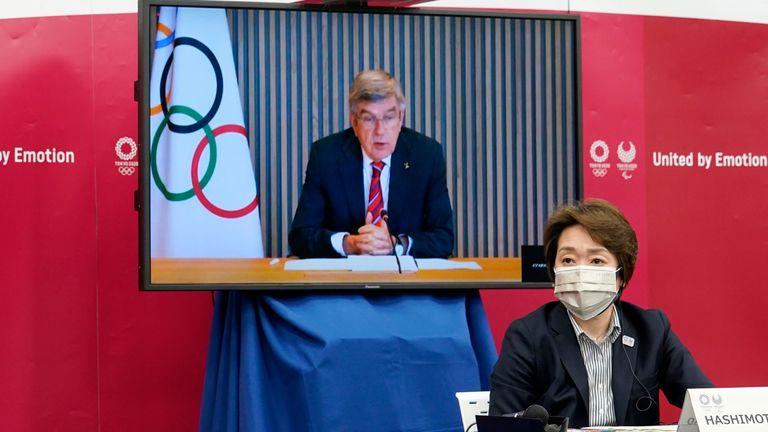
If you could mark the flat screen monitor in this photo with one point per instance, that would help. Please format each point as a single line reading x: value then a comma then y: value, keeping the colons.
x: 233, y: 94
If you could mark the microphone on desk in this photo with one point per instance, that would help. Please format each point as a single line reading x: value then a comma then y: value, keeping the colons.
x: 536, y: 412
x: 385, y: 218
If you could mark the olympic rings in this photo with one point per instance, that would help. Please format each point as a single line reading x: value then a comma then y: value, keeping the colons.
x: 206, y: 119
x: 181, y: 196
x: 232, y: 214
x: 200, y: 122
x: 170, y: 35
x: 162, y: 43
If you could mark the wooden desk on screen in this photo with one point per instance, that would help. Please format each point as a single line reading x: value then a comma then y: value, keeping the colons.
x: 262, y: 274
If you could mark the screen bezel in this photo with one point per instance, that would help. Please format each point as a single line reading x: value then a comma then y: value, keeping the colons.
x: 142, y: 199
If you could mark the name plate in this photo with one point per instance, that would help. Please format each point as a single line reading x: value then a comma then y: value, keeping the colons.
x: 725, y: 409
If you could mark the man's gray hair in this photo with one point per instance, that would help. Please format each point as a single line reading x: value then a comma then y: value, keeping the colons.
x: 373, y: 85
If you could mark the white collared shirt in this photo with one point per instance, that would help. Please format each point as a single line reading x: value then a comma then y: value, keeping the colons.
x: 598, y: 361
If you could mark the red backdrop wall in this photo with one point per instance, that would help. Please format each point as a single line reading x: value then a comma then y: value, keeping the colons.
x: 83, y: 349
x: 707, y: 228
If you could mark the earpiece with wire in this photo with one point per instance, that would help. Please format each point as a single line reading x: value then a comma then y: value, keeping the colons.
x: 647, y: 397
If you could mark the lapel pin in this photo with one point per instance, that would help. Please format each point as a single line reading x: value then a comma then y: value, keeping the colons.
x: 406, y: 165
x: 628, y: 341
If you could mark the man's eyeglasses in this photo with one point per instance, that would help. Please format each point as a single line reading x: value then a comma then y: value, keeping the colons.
x: 369, y: 121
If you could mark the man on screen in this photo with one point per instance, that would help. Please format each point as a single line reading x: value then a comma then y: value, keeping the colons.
x: 376, y: 165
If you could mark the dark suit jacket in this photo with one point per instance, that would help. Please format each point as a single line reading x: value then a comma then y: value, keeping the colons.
x: 332, y: 197
x: 540, y: 363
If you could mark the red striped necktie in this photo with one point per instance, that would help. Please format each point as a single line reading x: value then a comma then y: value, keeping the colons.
x: 375, y: 200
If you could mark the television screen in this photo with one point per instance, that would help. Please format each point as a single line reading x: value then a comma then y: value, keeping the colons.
x: 233, y: 94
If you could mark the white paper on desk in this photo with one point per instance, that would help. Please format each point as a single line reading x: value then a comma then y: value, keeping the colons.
x: 317, y: 264
x: 385, y: 263
x: 444, y: 264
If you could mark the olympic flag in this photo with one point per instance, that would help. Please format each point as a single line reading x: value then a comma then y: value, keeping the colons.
x: 204, y: 201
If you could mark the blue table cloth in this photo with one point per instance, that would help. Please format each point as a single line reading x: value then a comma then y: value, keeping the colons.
x: 344, y: 362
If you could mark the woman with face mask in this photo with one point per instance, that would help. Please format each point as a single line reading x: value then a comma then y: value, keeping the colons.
x: 589, y: 356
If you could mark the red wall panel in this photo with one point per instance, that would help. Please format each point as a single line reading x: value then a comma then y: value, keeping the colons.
x: 707, y: 91
x: 82, y: 348
x: 48, y: 257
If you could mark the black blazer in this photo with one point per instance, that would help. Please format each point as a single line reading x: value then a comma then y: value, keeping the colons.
x: 332, y: 197
x: 541, y: 363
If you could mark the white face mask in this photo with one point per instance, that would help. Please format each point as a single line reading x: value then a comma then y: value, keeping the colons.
x: 586, y: 290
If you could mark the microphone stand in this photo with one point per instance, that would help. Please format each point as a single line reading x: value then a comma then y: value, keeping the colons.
x: 385, y: 218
